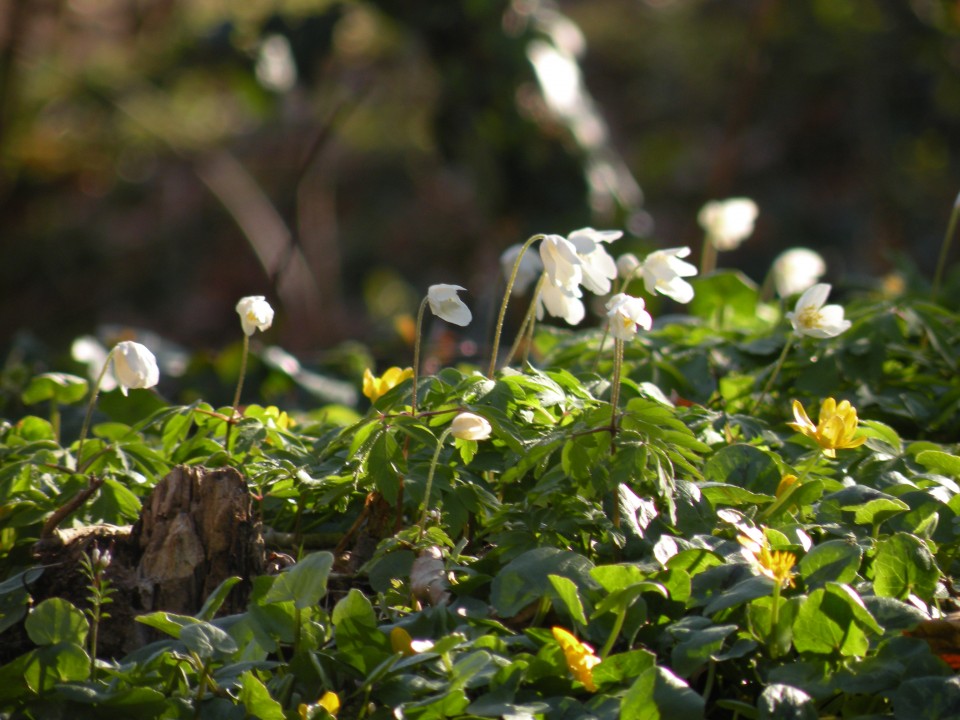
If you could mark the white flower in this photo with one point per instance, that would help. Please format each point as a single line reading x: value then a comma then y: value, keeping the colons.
x: 255, y: 314
x: 529, y: 270
x: 626, y: 313
x: 663, y: 272
x: 447, y: 305
x: 468, y: 426
x: 560, y: 303
x: 811, y: 317
x: 728, y: 222
x: 561, y: 263
x: 597, y: 266
x: 134, y: 366
x: 627, y: 266
x: 797, y: 269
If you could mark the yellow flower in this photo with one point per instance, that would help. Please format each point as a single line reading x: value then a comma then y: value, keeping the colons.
x: 786, y: 482
x: 835, y: 429
x: 329, y: 702
x: 776, y: 565
x: 579, y: 656
x: 374, y: 387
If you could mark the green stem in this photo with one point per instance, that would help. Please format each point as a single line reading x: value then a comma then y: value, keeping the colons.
x: 416, y: 353
x: 93, y: 401
x: 774, y: 620
x: 773, y: 376
x: 236, y: 394
x: 615, y: 389
x: 614, y: 633
x: 503, y: 306
x: 708, y: 256
x: 429, y: 487
x: 527, y: 325
x: 945, y: 249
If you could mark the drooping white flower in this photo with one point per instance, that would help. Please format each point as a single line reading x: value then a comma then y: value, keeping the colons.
x: 663, y: 272
x: 530, y: 267
x: 627, y: 266
x: 626, y: 314
x: 598, y: 267
x: 469, y: 426
x: 811, y: 317
x: 728, y: 222
x: 797, y: 269
x: 255, y: 314
x: 134, y: 366
x: 447, y: 305
x: 561, y: 263
x: 560, y: 303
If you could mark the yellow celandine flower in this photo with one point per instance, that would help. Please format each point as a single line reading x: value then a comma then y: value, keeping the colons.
x: 774, y: 564
x: 579, y: 656
x: 786, y: 482
x: 329, y: 702
x: 374, y: 387
x: 835, y: 429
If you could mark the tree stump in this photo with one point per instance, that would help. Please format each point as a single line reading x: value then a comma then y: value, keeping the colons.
x: 196, y: 529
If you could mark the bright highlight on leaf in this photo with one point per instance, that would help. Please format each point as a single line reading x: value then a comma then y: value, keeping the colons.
x: 835, y: 429
x: 374, y: 387
x: 579, y: 656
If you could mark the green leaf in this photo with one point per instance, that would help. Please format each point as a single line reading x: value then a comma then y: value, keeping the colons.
x: 256, y: 699
x: 904, y: 565
x: 744, y: 466
x: 723, y: 494
x: 697, y: 647
x: 658, y: 693
x: 834, y: 560
x: 726, y: 299
x: 207, y: 640
x: 382, y: 466
x: 783, y: 702
x: 525, y: 579
x: 940, y: 462
x: 56, y: 621
x: 927, y: 698
x: 304, y: 583
x: 566, y: 590
x: 623, y: 666
x: 359, y: 640
x: 877, y: 510
x: 62, y: 388
x: 170, y: 623
x: 217, y: 598
x: 832, y: 620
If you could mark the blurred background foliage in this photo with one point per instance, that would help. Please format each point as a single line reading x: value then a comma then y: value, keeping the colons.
x: 159, y: 159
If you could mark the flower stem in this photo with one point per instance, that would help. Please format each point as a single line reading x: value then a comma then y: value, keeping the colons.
x: 236, y: 394
x: 615, y: 389
x: 614, y: 632
x: 416, y: 353
x: 773, y: 376
x: 774, y: 621
x: 945, y: 249
x: 427, y: 490
x: 526, y: 327
x: 93, y: 401
x: 503, y: 306
x: 708, y: 256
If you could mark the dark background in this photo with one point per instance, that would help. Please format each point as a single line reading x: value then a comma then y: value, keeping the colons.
x: 149, y: 178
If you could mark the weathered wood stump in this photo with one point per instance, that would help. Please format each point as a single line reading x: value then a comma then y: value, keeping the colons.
x: 196, y: 528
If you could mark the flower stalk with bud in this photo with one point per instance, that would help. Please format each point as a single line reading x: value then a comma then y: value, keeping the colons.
x: 94, y: 567
x: 446, y: 305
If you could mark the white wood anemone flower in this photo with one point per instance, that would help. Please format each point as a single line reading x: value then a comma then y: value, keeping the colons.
x: 664, y: 272
x: 530, y: 268
x: 255, y: 314
x: 447, y: 305
x: 597, y: 267
x: 627, y: 266
x: 134, y: 366
x: 561, y: 263
x: 796, y: 269
x: 728, y: 222
x: 627, y: 314
x: 470, y: 426
x: 561, y: 303
x: 812, y: 318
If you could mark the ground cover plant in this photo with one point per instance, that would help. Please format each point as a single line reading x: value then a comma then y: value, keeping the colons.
x: 744, y: 506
